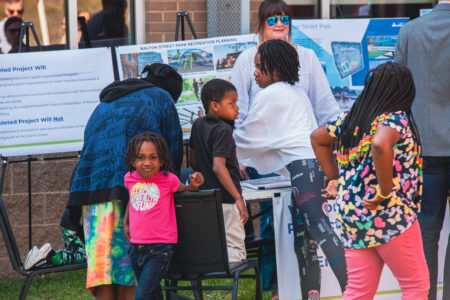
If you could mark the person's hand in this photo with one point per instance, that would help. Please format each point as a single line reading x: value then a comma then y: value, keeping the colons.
x: 330, y: 192
x: 243, y: 213
x: 372, y: 204
x: 126, y: 231
x: 197, y: 180
x: 242, y: 174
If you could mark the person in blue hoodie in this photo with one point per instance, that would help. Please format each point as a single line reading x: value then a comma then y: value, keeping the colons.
x: 126, y: 108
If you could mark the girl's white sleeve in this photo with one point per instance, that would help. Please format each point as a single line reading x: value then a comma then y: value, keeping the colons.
x: 241, y: 77
x: 323, y: 102
x: 252, y: 138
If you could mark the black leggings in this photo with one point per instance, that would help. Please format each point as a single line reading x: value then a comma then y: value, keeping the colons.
x: 312, y: 227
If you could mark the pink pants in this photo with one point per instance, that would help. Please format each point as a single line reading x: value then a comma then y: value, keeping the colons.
x: 405, y: 258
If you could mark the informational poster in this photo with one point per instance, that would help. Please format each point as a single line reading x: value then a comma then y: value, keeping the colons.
x: 198, y: 61
x: 287, y: 266
x: 348, y: 49
x: 46, y: 98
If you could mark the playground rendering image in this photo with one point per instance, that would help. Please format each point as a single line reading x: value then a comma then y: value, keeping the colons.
x: 190, y: 60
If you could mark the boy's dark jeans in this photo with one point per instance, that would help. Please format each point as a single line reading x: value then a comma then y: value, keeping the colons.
x: 150, y: 262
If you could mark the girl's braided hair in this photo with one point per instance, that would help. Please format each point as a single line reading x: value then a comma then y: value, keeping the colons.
x: 279, y: 56
x: 388, y: 88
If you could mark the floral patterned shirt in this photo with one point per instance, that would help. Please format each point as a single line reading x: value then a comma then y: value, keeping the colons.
x: 363, y: 228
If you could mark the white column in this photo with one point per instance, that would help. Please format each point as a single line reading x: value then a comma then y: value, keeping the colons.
x: 325, y: 9
x: 43, y: 22
x: 139, y: 21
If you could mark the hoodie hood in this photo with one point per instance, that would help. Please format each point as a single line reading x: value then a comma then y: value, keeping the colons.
x: 119, y: 89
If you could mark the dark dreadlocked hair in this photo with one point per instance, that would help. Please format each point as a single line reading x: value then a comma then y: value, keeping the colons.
x: 279, y: 56
x: 269, y: 8
x: 161, y: 148
x: 214, y: 91
x: 388, y: 88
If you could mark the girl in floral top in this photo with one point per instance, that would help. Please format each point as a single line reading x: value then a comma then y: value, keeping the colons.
x: 378, y: 184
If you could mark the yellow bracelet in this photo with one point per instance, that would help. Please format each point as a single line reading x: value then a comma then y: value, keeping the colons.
x: 381, y: 196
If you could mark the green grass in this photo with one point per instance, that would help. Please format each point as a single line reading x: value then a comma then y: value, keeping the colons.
x: 72, y: 285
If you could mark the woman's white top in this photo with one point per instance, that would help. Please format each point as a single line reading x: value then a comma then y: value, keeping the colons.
x: 312, y: 80
x: 270, y: 138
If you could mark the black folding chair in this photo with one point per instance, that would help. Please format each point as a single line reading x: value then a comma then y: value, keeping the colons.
x: 201, y: 251
x: 14, y: 255
x: 254, y: 244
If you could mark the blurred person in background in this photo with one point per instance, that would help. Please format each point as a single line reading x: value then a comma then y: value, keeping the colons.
x: 13, y: 8
x: 12, y: 33
x: 109, y: 22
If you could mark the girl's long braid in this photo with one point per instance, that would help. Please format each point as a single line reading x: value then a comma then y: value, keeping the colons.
x: 279, y: 56
x: 388, y: 88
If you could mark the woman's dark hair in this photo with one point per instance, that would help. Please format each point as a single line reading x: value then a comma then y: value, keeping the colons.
x: 270, y: 8
x: 11, y: 20
x: 214, y: 91
x: 161, y: 148
x: 279, y: 56
x: 388, y: 88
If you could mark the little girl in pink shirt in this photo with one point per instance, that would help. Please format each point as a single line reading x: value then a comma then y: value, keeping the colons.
x: 150, y: 223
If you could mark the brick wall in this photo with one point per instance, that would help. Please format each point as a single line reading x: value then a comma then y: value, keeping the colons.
x: 50, y: 183
x: 161, y: 18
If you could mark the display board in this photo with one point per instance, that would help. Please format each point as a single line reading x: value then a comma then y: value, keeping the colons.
x: 348, y: 49
x: 287, y: 267
x: 196, y: 60
x: 47, y: 98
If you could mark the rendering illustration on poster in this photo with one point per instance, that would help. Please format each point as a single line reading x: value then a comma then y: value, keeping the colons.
x: 346, y: 58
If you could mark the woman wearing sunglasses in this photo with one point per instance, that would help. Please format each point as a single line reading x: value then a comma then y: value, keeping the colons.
x: 275, y: 23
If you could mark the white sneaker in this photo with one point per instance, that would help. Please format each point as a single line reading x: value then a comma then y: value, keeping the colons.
x: 36, y: 256
x: 30, y: 254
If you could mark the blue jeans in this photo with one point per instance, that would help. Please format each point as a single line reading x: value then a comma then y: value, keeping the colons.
x: 436, y: 183
x: 150, y: 262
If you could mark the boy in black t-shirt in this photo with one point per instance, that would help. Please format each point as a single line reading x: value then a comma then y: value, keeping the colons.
x: 213, y: 153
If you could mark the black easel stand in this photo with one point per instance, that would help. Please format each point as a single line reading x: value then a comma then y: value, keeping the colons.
x: 28, y: 161
x: 180, y: 19
x: 25, y: 29
x: 86, y: 38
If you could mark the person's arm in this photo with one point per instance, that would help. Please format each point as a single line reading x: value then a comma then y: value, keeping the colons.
x: 221, y: 171
x: 126, y: 224
x: 196, y: 180
x: 172, y: 133
x: 384, y: 140
x: 401, y: 47
x: 241, y: 78
x: 321, y: 142
x: 323, y: 102
x: 192, y: 160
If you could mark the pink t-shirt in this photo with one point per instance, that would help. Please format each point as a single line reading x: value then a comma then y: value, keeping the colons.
x: 151, y: 208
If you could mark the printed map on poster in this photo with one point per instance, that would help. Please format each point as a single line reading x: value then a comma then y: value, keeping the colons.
x: 198, y: 61
x: 348, y: 49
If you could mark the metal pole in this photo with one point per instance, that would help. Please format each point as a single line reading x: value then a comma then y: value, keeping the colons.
x: 70, y: 7
x: 30, y: 237
x: 245, y: 16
